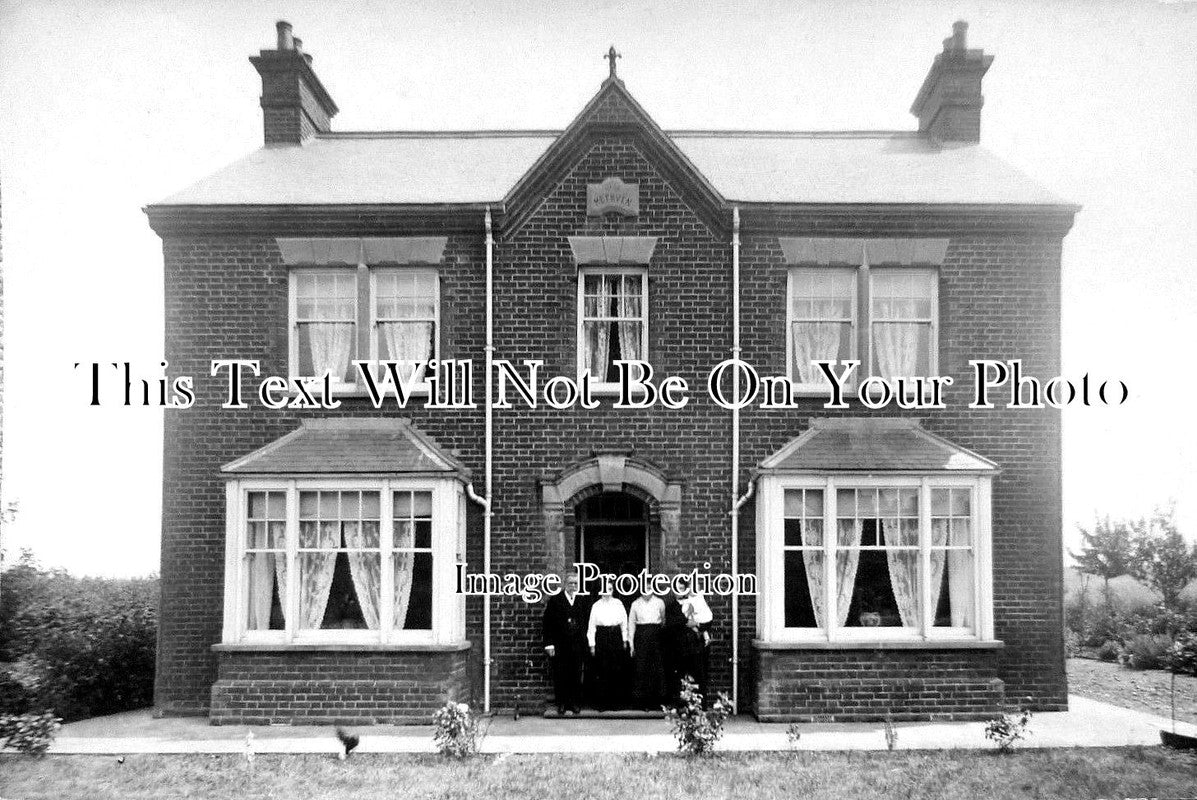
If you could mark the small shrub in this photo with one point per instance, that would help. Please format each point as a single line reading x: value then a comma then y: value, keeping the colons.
x: 1145, y: 651
x: 1073, y: 644
x: 30, y: 734
x: 1181, y: 658
x: 455, y: 730
x: 891, y: 733
x: 697, y: 728
x: 793, y: 734
x: 1109, y: 651
x: 1007, y: 728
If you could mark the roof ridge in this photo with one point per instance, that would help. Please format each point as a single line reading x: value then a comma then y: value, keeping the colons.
x: 706, y: 133
x: 482, y: 133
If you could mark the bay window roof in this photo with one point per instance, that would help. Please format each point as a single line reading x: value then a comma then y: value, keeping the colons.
x: 350, y: 446
x: 866, y: 444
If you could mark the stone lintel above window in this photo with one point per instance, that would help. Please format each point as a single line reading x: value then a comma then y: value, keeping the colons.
x: 354, y: 250
x: 852, y: 252
x: 612, y: 249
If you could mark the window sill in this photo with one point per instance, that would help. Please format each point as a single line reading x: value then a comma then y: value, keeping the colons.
x: 882, y: 644
x: 325, y: 647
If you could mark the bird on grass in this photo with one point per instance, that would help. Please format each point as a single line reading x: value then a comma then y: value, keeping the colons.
x: 349, y: 741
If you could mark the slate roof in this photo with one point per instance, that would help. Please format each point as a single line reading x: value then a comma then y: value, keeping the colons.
x: 339, y: 446
x: 477, y: 167
x: 865, y: 444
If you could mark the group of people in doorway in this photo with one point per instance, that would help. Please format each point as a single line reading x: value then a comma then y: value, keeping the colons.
x: 620, y: 657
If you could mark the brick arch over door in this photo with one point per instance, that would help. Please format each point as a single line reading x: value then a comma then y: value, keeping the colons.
x: 609, y: 472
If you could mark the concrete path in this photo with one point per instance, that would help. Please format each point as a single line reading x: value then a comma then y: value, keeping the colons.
x: 1087, y: 723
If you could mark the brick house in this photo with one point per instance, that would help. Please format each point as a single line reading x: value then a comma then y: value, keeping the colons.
x: 909, y: 562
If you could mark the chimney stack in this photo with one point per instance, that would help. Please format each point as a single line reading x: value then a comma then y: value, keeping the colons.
x: 949, y: 103
x: 295, y: 105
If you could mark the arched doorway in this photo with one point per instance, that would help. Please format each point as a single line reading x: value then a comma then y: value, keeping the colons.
x: 612, y: 531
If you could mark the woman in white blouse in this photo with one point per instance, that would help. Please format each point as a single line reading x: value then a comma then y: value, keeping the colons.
x: 607, y: 635
x: 644, y: 629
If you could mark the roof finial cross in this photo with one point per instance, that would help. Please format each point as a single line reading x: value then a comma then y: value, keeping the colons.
x: 611, y: 56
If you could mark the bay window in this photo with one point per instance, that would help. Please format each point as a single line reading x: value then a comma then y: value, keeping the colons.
x: 612, y: 320
x: 342, y: 560
x: 854, y: 558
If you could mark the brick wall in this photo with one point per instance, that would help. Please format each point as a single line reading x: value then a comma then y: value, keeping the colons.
x: 999, y: 297
x: 862, y: 685
x: 336, y: 688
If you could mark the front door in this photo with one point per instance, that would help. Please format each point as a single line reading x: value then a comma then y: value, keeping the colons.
x: 613, y: 534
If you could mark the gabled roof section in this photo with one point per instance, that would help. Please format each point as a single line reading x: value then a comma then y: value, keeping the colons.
x: 350, y: 446
x: 867, y: 444
x: 613, y: 109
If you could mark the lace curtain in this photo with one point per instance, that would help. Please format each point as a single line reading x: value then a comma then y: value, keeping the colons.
x: 960, y: 569
x: 817, y: 341
x: 896, y: 346
x: 598, y: 330
x: 629, y: 329
x: 408, y: 342
x: 365, y: 568
x: 316, y: 571
x: 404, y: 569
x: 330, y: 344
x: 847, y: 559
x: 266, y: 571
x: 903, y: 567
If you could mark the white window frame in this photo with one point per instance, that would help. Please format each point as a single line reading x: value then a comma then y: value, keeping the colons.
x: 771, y: 560
x: 366, y: 282
x: 448, y: 546
x: 820, y: 389
x: 933, y: 320
x: 862, y: 322
x: 601, y: 386
x: 422, y: 387
x: 293, y: 322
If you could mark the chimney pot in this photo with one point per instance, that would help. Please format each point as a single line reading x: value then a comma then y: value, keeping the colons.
x: 960, y: 35
x: 285, y: 40
x: 297, y: 44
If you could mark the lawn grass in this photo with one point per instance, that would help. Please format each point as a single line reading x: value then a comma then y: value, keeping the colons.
x: 1087, y: 773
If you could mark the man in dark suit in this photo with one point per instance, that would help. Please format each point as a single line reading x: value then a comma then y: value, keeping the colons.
x: 566, y: 616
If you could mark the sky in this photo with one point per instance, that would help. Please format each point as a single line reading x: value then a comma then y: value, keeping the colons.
x: 112, y: 105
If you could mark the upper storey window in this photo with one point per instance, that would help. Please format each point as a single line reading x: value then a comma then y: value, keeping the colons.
x: 363, y: 299
x: 875, y: 301
x: 406, y: 317
x: 903, y: 305
x: 893, y: 332
x: 613, y: 320
x: 332, y: 327
x: 326, y: 323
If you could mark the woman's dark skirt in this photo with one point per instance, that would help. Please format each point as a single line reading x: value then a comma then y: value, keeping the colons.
x: 648, y: 688
x: 610, y: 662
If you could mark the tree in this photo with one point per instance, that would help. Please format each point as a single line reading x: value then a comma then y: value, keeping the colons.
x: 1161, y: 557
x: 1106, y: 552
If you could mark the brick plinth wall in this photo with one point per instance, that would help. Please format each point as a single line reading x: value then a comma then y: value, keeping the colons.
x: 336, y: 687
x: 864, y: 685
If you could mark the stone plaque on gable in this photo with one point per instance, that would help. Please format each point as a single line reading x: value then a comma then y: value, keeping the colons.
x: 612, y: 196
